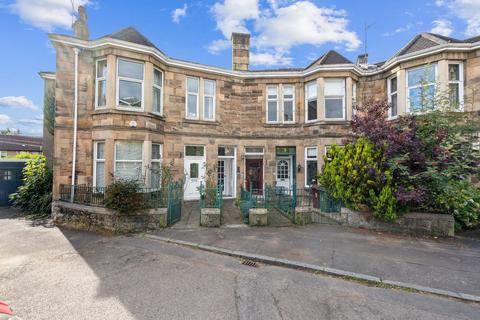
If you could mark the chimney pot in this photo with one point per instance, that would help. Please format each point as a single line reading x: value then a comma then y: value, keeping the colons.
x: 240, y: 51
x: 362, y: 59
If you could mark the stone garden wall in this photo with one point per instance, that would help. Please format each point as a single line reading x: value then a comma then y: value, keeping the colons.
x: 101, y: 219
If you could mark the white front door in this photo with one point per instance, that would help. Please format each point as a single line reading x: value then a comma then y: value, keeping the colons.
x: 284, y: 172
x: 194, y: 176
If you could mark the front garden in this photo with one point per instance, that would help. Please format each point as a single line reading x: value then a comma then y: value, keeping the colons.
x: 427, y: 162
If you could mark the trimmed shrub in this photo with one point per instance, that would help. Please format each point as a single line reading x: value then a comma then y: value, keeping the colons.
x: 125, y: 197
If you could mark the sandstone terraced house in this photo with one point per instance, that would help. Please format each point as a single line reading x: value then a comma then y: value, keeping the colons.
x: 137, y: 108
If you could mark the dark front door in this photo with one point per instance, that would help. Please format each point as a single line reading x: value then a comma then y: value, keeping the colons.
x: 254, y: 174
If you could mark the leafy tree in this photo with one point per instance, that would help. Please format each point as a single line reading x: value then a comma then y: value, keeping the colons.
x: 34, y: 196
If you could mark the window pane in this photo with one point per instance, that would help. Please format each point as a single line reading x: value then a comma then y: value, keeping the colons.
x: 157, y: 100
x: 288, y: 111
x: 208, y: 108
x: 272, y: 92
x: 334, y: 108
x: 192, y: 106
x: 130, y: 93
x: 311, y: 152
x: 312, y: 170
x: 157, y: 77
x: 272, y: 110
x: 192, y: 85
x: 334, y: 87
x: 128, y: 150
x: 130, y: 69
x: 453, y: 72
x: 100, y: 150
x: 156, y: 152
x: 100, y: 174
x: 102, y: 93
x: 155, y: 175
x: 421, y: 98
x: 288, y: 92
x: 193, y: 170
x: 253, y: 150
x: 102, y: 69
x: 393, y: 105
x: 128, y: 170
x: 226, y: 151
x: 312, y: 110
x: 393, y: 84
x: 194, y: 151
x: 421, y: 75
x: 209, y: 87
x: 311, y: 90
x: 454, y: 94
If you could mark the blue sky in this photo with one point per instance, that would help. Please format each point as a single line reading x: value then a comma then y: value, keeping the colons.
x: 285, y: 33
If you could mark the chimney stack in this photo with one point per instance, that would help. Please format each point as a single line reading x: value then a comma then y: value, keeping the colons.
x: 80, y: 26
x: 240, y: 51
x: 362, y: 59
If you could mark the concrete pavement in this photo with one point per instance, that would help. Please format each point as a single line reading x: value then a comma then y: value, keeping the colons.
x: 49, y: 273
x: 448, y: 264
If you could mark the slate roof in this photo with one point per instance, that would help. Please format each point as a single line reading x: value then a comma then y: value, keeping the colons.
x: 20, y: 143
x: 331, y: 57
x: 130, y: 34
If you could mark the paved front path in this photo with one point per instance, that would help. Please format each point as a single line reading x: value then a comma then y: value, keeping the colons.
x: 449, y: 264
x: 51, y: 273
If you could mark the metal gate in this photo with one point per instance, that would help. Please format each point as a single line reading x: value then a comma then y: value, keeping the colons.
x: 175, y: 198
x: 10, y: 179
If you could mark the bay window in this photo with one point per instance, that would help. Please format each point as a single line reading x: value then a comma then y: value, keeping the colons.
x: 334, y: 99
x: 455, y: 85
x: 99, y: 164
x: 156, y: 166
x: 311, y: 165
x: 101, y: 84
x: 192, y: 98
x: 157, y: 94
x: 129, y: 84
x: 288, y: 103
x: 311, y: 101
x: 208, y: 99
x: 272, y: 104
x: 421, y: 88
x: 392, y: 97
x: 128, y: 160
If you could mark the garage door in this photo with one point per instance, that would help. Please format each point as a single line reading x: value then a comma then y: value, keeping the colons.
x: 10, y: 180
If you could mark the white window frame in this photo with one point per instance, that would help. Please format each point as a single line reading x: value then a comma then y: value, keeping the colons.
x: 276, y: 86
x: 314, y: 83
x: 435, y: 67
x: 96, y: 161
x: 97, y: 81
x: 197, y: 94
x: 159, y: 161
x: 290, y: 99
x: 459, y: 82
x: 142, y: 82
x: 389, y: 96
x: 155, y: 86
x: 213, y: 98
x: 3, y: 154
x: 307, y: 184
x: 115, y: 157
x: 325, y: 98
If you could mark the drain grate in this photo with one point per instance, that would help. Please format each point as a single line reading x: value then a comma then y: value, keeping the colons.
x: 249, y: 263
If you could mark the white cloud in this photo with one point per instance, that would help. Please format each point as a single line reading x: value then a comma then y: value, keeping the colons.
x: 17, y: 101
x: 405, y: 28
x: 232, y: 14
x: 46, y: 14
x: 467, y: 10
x: 280, y: 25
x: 4, y: 119
x: 218, y: 45
x: 33, y: 121
x: 179, y: 13
x: 270, y: 59
x: 442, y: 27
